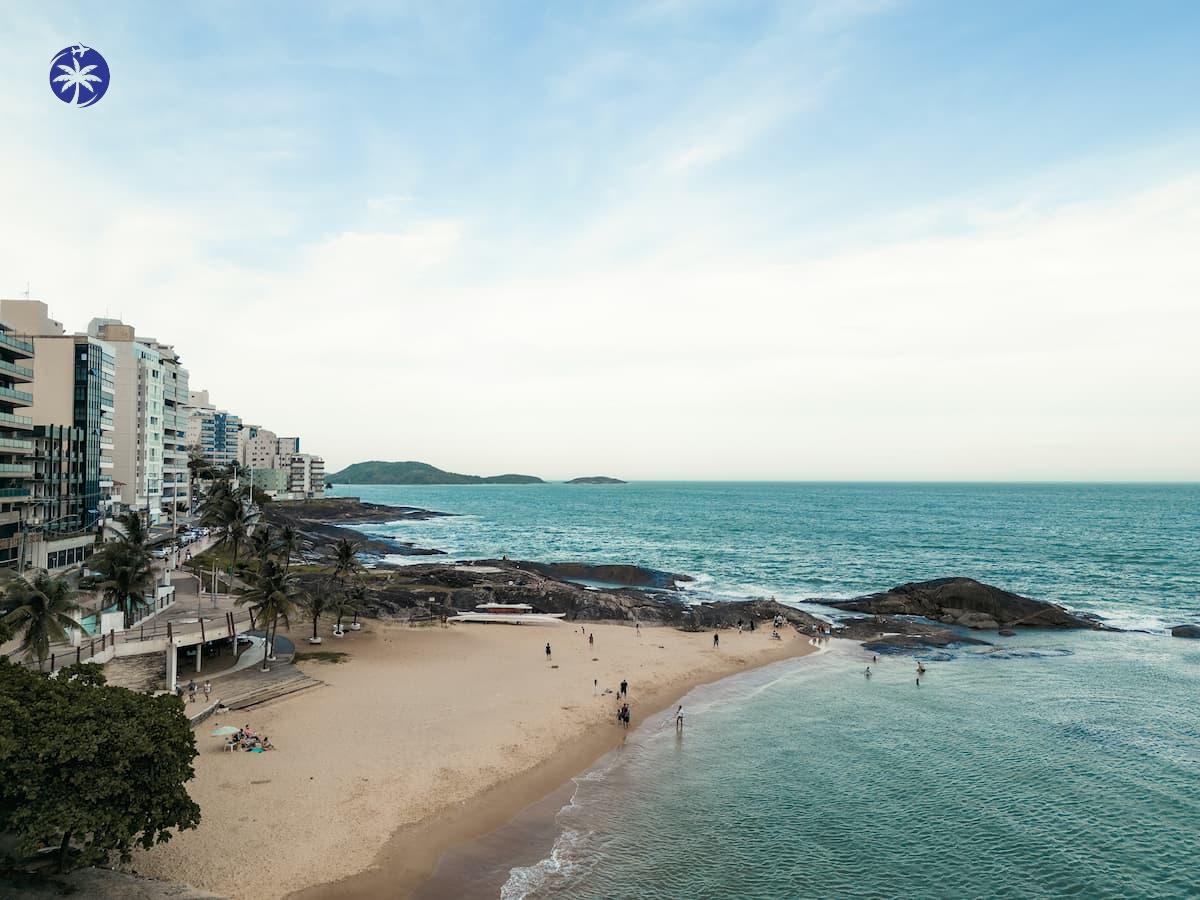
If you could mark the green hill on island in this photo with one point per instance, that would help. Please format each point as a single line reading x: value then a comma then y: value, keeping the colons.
x: 596, y: 479
x: 377, y: 472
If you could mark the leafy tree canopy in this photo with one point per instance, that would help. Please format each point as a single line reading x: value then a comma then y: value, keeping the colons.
x: 91, y: 768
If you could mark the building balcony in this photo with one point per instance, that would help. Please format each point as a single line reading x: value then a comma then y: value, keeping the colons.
x: 16, y: 470
x: 14, y: 421
x: 11, y: 493
x: 15, y: 445
x: 15, y: 397
x: 15, y: 372
x: 16, y: 345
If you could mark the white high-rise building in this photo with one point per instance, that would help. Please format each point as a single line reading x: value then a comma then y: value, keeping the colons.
x: 307, y: 476
x: 258, y: 448
x: 139, y: 415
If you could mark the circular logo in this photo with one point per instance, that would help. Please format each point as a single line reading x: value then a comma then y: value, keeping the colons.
x: 78, y: 75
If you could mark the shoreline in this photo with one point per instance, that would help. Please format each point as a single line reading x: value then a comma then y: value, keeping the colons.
x: 422, y: 739
x: 412, y: 853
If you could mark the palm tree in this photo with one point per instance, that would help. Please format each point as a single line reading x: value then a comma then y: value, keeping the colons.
x: 356, y: 599
x: 317, y: 603
x: 264, y: 542
x: 345, y: 560
x: 76, y: 78
x: 41, y: 612
x: 128, y: 576
x: 288, y: 541
x: 273, y: 597
x: 126, y: 566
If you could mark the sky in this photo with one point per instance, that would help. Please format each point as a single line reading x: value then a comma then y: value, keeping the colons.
x: 675, y: 239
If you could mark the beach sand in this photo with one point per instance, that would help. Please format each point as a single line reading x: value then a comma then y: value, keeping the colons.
x: 422, y: 739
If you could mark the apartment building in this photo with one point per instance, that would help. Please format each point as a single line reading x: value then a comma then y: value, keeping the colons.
x: 138, y: 418
x: 285, y: 448
x: 258, y: 448
x: 61, y: 531
x: 176, y: 479
x: 214, y: 432
x: 73, y: 387
x: 16, y: 445
x: 306, y: 476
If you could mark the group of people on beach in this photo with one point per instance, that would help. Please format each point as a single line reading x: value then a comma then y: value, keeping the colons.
x: 246, y: 739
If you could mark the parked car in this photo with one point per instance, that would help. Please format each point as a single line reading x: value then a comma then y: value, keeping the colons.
x: 160, y: 552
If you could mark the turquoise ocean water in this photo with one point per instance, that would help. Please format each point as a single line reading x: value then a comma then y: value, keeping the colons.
x: 1057, y: 764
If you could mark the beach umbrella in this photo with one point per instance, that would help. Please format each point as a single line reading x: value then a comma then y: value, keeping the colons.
x: 224, y: 730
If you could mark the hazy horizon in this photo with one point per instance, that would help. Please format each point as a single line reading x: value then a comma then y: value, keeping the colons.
x: 846, y: 240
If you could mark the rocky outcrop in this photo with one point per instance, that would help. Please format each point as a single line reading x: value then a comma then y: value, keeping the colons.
x: 313, y: 520
x: 596, y: 479
x: 418, y: 591
x: 893, y: 635
x: 966, y: 602
x: 616, y: 575
x: 1186, y: 631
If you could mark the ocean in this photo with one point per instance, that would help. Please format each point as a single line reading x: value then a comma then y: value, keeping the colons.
x: 1054, y: 764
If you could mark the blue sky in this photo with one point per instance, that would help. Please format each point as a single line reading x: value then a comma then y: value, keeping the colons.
x: 608, y: 216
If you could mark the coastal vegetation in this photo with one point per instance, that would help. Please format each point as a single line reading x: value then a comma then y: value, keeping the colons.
x: 409, y: 472
x: 71, y: 780
x: 126, y: 569
x: 40, y: 611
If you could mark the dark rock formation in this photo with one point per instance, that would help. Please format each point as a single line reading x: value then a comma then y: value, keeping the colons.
x: 596, y: 479
x: 892, y: 634
x: 1186, y: 631
x: 312, y: 520
x: 436, y: 589
x: 616, y: 575
x: 966, y: 602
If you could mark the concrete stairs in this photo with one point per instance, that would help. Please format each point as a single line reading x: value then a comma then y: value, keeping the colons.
x: 146, y: 672
x: 253, y: 688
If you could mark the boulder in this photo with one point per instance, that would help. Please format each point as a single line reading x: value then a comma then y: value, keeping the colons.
x: 1186, y: 631
x: 950, y: 599
x: 980, y: 621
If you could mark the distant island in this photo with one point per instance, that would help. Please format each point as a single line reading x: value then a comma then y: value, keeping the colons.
x: 377, y: 472
x: 596, y: 479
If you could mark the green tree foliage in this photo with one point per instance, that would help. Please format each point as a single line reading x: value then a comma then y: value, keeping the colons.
x: 273, y: 597
x: 40, y: 612
x: 91, y: 769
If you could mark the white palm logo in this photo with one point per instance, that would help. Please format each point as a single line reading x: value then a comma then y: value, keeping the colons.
x: 76, y: 77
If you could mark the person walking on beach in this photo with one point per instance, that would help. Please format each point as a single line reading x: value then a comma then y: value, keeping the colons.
x: 716, y: 640
x: 595, y: 686
x: 637, y: 627
x: 679, y: 718
x: 207, y: 690
x: 191, y: 692
x: 547, y: 651
x: 591, y: 640
x: 624, y: 688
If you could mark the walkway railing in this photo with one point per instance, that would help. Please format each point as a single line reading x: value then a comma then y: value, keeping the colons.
x: 169, y: 634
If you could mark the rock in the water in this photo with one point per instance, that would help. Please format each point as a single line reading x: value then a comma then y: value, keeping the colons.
x: 978, y: 620
x: 1007, y: 632
x: 1186, y: 631
x: 952, y: 599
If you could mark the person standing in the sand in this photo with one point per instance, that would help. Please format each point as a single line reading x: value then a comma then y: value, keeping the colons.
x: 624, y: 688
x: 679, y: 718
x: 547, y: 651
x: 591, y: 640
x: 716, y: 640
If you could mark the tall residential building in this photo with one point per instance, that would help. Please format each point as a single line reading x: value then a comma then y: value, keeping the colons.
x: 285, y: 448
x: 62, y: 531
x: 307, y: 476
x: 138, y: 435
x: 73, y: 387
x: 176, y: 480
x: 15, y: 442
x: 213, y: 431
x: 258, y: 448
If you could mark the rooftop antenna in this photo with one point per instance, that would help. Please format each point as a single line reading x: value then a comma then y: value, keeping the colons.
x: 26, y: 290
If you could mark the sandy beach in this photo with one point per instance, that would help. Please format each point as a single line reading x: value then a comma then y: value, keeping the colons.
x: 424, y: 738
